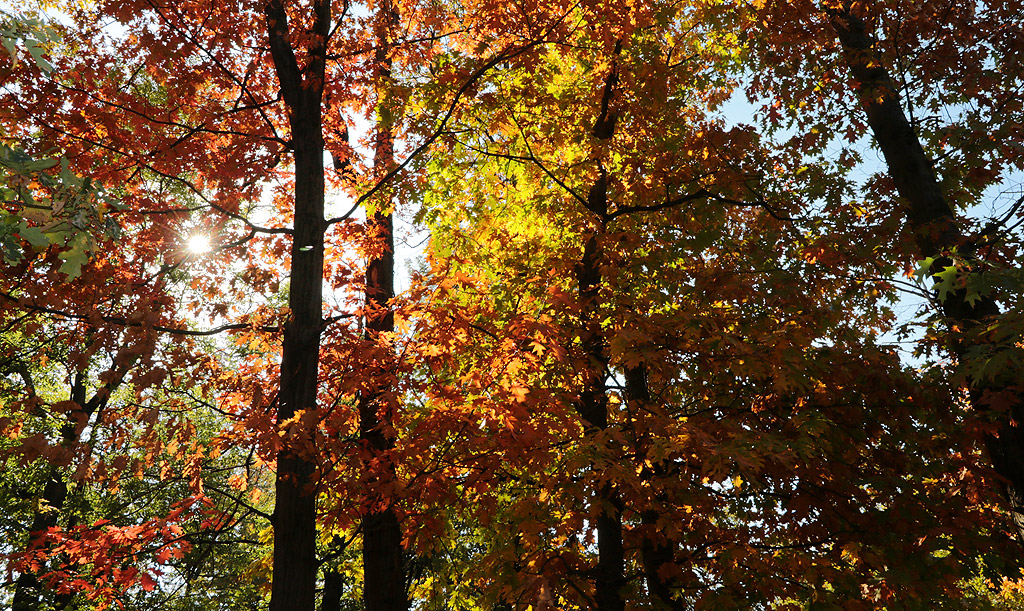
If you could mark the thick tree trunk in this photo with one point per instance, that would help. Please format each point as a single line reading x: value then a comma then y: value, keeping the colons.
x: 294, y: 562
x: 384, y: 587
x: 935, y: 227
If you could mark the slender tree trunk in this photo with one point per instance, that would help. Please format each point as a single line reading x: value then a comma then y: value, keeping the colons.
x: 655, y: 553
x: 334, y: 580
x: 294, y: 562
x: 27, y: 588
x: 609, y: 574
x: 384, y: 587
x: 655, y: 550
x: 28, y: 595
x: 334, y: 589
x: 935, y: 227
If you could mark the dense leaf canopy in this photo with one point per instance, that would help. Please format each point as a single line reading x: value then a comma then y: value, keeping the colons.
x: 407, y: 304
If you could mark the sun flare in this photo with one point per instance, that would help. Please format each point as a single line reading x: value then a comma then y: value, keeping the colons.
x: 199, y: 244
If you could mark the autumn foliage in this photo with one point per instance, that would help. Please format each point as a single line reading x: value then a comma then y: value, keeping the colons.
x: 562, y: 305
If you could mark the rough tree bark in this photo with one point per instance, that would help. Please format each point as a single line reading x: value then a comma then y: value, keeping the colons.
x: 294, y: 562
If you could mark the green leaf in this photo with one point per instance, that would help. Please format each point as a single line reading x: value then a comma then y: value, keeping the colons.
x: 945, y: 282
x: 33, y: 236
x: 37, y: 165
x: 8, y: 42
x: 75, y: 257
x: 922, y: 268
x: 36, y: 50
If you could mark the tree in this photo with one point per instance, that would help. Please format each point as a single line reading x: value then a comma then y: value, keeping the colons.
x: 934, y: 85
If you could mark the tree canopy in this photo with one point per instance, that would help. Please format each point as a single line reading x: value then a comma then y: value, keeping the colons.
x: 405, y: 304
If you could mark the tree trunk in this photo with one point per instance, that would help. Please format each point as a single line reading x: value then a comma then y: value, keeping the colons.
x: 294, y: 562
x: 28, y: 594
x: 935, y: 227
x: 655, y: 550
x: 609, y: 574
x: 334, y: 589
x: 384, y: 587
